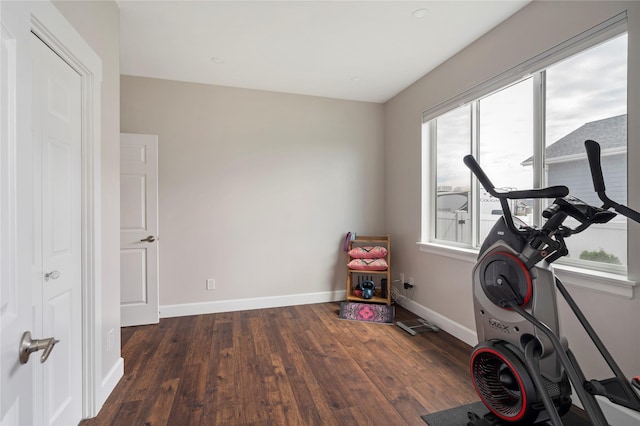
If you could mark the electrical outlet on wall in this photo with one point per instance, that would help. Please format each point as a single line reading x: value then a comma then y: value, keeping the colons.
x: 211, y: 284
x: 411, y: 281
x: 401, y: 279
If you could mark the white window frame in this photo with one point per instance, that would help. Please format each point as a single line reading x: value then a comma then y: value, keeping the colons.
x: 611, y: 282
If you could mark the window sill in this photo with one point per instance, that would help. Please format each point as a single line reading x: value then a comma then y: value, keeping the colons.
x: 458, y: 253
x: 603, y: 282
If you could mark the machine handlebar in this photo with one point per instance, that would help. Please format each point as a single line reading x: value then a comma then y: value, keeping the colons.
x: 593, y: 155
x: 549, y: 192
x: 564, y: 205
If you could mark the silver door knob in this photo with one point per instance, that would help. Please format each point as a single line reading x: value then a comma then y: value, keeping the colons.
x: 28, y: 346
x: 149, y: 239
x: 53, y: 275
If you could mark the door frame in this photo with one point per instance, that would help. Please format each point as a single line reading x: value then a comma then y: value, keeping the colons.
x: 48, y: 23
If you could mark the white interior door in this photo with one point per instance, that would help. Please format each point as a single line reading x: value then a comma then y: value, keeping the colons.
x: 40, y: 172
x: 40, y: 226
x: 16, y: 215
x: 138, y: 229
x: 58, y: 138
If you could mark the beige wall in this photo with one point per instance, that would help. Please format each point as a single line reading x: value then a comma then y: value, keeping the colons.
x: 443, y: 284
x: 256, y: 189
x: 98, y: 22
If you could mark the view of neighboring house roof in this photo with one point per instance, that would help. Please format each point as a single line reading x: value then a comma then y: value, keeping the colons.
x: 610, y: 133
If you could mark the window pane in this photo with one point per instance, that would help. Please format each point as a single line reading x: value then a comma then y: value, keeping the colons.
x: 586, y: 99
x: 506, y: 143
x: 453, y: 136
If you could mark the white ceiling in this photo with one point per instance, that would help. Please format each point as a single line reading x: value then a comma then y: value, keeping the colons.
x: 359, y: 50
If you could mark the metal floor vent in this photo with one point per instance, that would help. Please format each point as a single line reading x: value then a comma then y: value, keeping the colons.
x: 416, y: 326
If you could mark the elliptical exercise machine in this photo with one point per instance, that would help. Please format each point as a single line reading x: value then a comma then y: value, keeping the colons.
x: 523, y: 367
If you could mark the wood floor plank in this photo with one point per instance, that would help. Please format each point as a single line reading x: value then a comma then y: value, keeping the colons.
x: 159, y: 413
x: 199, y: 350
x: 297, y: 365
x: 146, y: 374
x: 228, y: 401
x: 284, y: 394
x: 308, y: 392
x: 189, y: 399
x: 126, y: 413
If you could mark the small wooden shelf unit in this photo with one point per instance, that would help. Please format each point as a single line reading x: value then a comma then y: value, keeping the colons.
x: 379, y: 277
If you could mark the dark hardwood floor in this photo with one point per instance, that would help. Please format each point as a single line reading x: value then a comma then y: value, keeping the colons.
x: 296, y: 365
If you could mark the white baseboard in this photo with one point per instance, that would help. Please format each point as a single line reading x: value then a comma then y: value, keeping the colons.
x: 457, y: 330
x: 169, y: 311
x: 109, y: 382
